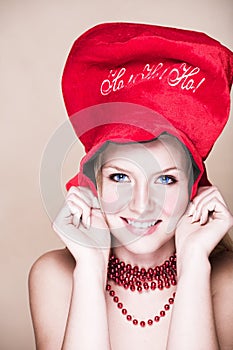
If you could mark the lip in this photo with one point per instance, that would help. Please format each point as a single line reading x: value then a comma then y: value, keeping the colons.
x: 141, y: 231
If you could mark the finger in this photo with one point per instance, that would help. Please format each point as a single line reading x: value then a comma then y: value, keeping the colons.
x: 209, y: 203
x: 204, y: 208
x: 211, y: 209
x: 62, y: 220
x: 204, y: 193
x: 80, y: 211
x: 191, y: 209
x: 202, y: 199
x: 86, y: 194
x: 204, y: 216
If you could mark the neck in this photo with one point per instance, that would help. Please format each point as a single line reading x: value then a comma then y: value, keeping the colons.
x: 146, y: 260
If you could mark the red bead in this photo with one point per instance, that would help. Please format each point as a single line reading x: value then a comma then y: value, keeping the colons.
x: 124, y: 311
x: 128, y: 276
x: 108, y: 287
x: 153, y: 285
x: 174, y: 294
x: 150, y: 271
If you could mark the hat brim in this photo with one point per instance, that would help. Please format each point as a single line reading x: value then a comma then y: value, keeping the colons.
x: 122, y: 122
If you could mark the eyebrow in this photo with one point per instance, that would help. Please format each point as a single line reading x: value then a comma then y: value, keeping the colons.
x: 125, y: 170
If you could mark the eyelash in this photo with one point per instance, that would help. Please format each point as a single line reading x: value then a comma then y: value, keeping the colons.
x: 113, y: 177
x: 169, y: 180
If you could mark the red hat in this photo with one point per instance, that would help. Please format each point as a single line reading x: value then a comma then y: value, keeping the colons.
x: 132, y: 82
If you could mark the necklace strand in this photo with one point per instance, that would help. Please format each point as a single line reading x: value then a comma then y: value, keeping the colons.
x: 141, y: 280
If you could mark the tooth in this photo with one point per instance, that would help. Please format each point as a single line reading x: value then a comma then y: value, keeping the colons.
x: 139, y: 224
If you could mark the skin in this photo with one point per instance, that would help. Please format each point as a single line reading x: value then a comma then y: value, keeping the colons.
x: 144, y: 193
x: 62, y: 307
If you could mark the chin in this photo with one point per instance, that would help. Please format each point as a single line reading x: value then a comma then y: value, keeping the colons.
x: 144, y: 244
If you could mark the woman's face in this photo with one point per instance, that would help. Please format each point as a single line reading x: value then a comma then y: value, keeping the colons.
x: 143, y: 191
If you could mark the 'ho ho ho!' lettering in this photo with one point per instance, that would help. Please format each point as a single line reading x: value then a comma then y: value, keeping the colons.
x: 184, y: 76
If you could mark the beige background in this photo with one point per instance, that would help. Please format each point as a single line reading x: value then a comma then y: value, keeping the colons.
x: 35, y: 39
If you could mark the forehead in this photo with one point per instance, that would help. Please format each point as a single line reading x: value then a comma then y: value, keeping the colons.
x: 163, y: 152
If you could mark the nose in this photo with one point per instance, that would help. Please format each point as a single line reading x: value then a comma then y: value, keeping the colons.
x: 142, y: 200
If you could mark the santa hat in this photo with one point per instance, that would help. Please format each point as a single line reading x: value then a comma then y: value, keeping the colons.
x: 127, y: 82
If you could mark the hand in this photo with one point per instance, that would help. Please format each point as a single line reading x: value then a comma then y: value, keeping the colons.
x: 205, y: 222
x: 81, y: 226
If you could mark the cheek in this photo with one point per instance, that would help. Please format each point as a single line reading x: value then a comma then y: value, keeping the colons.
x: 115, y: 197
x: 176, y: 201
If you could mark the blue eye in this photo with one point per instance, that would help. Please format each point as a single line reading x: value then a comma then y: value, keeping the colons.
x: 119, y: 177
x: 166, y: 180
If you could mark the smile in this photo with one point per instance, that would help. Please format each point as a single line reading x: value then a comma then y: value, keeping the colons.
x: 141, y: 224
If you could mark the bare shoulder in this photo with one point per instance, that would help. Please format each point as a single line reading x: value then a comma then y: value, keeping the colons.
x: 222, y: 290
x: 59, y: 262
x: 52, y: 269
x: 50, y: 287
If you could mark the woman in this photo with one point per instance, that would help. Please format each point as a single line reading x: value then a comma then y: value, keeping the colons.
x: 140, y: 221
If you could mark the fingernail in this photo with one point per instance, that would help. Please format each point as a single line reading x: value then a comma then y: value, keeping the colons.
x: 191, y: 210
x: 202, y: 220
x: 194, y: 217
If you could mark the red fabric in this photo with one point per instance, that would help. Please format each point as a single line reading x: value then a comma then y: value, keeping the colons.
x: 183, y: 76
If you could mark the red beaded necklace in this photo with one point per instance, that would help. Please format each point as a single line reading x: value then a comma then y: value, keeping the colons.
x: 140, y: 280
